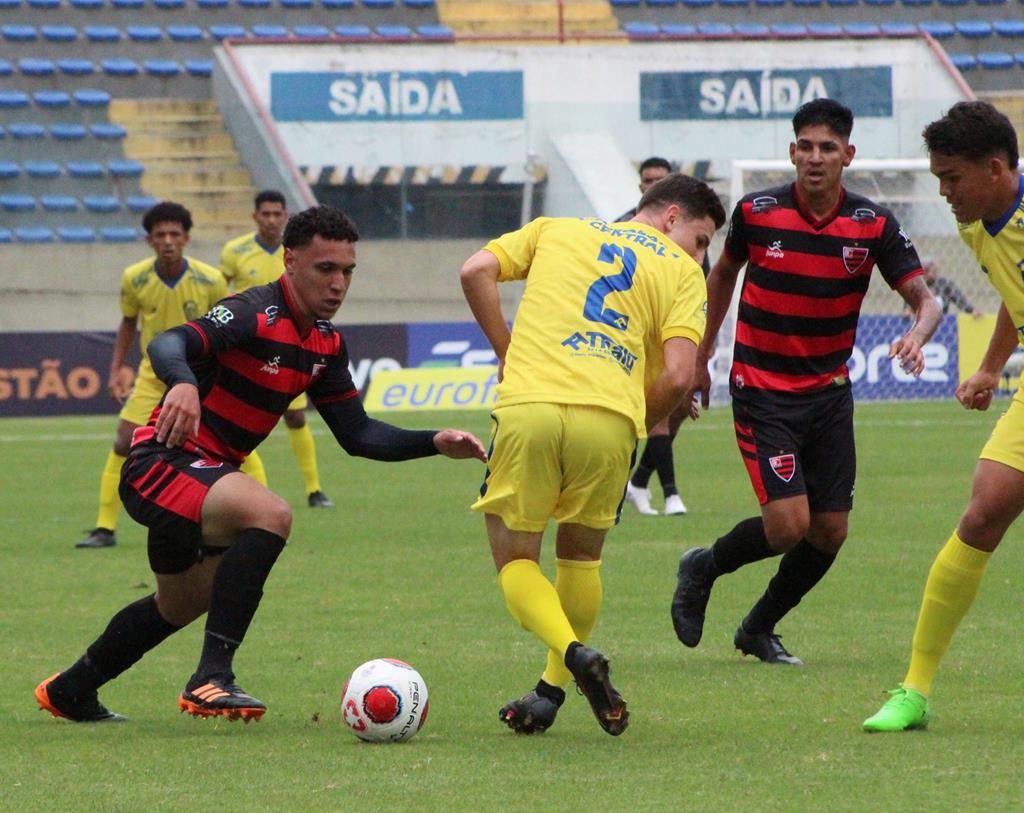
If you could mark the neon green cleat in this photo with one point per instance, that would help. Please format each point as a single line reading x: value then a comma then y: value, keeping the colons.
x: 906, y: 709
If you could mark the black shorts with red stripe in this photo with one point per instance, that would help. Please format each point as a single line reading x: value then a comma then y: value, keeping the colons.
x: 798, y: 443
x: 164, y: 490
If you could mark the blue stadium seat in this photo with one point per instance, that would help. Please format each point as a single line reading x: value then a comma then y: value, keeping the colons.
x: 261, y: 4
x: 337, y: 4
x: 714, y: 29
x: 51, y: 99
x: 169, y: 5
x: 3, y: 133
x: 140, y: 203
x: 806, y: 3
x: 9, y: 170
x: 964, y: 62
x: 26, y: 131
x: 379, y: 3
x: 640, y: 28
x: 126, y: 168
x: 59, y: 33
x: 34, y: 234
x: 734, y: 3
x: 119, y: 66
x: 92, y: 97
x: 269, y: 31
x: 974, y: 29
x: 394, y: 32
x: 87, y: 5
x: 223, y: 32
x: 101, y: 204
x: 861, y: 29
x: 1008, y: 28
x: 212, y: 4
x: 43, y: 5
x: 311, y: 31
x: 85, y: 170
x: 297, y: 4
x: 788, y: 29
x: 1019, y: 56
x: 917, y: 3
x: 751, y: 29
x: 101, y: 33
x: 106, y: 131
x: 995, y: 60
x: 825, y: 29
x: 76, y: 234
x: 899, y: 29
x: 144, y: 33
x: 437, y: 31
x: 17, y: 202
x: 991, y: 2
x: 877, y: 3
x: 184, y: 33
x: 660, y: 3
x: 6, y: 68
x: 938, y: 29
x: 954, y: 3
x: 42, y: 170
x: 419, y: 3
x: 199, y: 68
x: 34, y: 66
x: 769, y: 3
x: 353, y: 31
x: 118, y: 234
x: 698, y: 3
x: 68, y: 132
x: 59, y: 203
x: 76, y: 67
x: 6, y: 236
x: 679, y: 29
x: 133, y: 5
x: 162, y: 68
x: 7, y: 5
x: 14, y: 32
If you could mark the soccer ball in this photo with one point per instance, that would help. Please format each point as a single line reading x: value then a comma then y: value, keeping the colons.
x: 385, y: 700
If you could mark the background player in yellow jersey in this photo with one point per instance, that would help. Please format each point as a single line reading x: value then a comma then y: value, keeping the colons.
x: 603, y: 347
x: 155, y: 295
x: 974, y: 154
x: 257, y: 258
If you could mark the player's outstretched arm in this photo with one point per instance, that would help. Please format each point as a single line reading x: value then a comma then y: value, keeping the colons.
x: 119, y: 383
x: 673, y: 382
x: 179, y: 415
x: 479, y: 278
x: 460, y: 445
x: 976, y: 392
x: 927, y: 315
x: 721, y: 284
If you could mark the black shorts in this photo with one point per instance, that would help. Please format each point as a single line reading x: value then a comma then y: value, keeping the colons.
x: 164, y: 490
x: 795, y: 444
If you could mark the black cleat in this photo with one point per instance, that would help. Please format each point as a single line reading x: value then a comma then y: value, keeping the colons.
x: 87, y: 709
x: 219, y: 698
x: 533, y: 713
x: 690, y: 600
x: 765, y: 646
x: 317, y: 499
x: 590, y: 669
x: 98, y: 538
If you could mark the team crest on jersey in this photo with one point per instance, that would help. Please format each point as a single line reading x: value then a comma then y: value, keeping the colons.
x: 205, y: 464
x: 317, y: 369
x: 784, y: 466
x: 864, y: 216
x: 763, y: 204
x: 854, y: 258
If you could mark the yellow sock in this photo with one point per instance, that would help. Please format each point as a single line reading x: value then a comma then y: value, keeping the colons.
x: 110, y: 501
x: 579, y: 589
x: 948, y: 594
x: 533, y: 602
x: 305, y: 454
x: 253, y: 466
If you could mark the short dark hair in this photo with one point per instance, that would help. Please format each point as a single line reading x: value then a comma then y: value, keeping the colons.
x: 975, y: 131
x: 327, y: 221
x: 695, y: 197
x: 269, y: 196
x: 655, y: 161
x: 837, y: 117
x: 167, y: 212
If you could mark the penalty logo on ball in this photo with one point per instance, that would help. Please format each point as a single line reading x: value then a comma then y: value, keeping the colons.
x: 385, y: 700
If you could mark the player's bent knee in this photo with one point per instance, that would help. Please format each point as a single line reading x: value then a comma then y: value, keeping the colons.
x: 276, y: 517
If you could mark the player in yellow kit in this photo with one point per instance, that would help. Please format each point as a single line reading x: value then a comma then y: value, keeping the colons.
x: 257, y: 258
x: 603, y: 347
x: 974, y: 154
x: 155, y: 295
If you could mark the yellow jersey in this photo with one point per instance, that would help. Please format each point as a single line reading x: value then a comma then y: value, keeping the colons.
x: 246, y: 262
x: 600, y: 300
x: 999, y: 248
x: 159, y: 304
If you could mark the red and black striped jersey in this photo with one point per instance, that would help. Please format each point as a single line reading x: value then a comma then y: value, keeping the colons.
x: 256, y: 359
x: 804, y: 285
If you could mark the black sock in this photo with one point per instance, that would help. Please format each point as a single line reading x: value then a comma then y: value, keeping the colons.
x: 237, y: 590
x: 744, y: 544
x: 659, y: 449
x: 556, y: 694
x: 645, y: 468
x: 131, y: 633
x: 801, y: 568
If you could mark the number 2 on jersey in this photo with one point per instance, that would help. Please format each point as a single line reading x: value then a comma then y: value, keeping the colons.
x: 593, y: 308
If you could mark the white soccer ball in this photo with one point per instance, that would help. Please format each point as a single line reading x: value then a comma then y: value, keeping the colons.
x: 385, y: 700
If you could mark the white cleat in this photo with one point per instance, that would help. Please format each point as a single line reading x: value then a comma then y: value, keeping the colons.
x: 674, y: 505
x: 641, y: 499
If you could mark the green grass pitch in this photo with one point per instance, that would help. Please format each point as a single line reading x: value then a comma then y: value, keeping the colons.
x: 401, y: 568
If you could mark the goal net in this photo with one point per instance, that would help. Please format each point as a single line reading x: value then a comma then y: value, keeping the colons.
x: 908, y: 189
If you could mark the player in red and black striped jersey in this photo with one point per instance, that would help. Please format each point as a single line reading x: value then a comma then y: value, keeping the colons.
x: 809, y: 249
x: 214, y: 532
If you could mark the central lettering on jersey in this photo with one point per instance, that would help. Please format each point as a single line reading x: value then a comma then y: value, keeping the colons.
x: 636, y: 236
x: 220, y: 315
x: 271, y: 367
x: 594, y: 343
x: 784, y: 466
x: 775, y: 250
x: 854, y: 258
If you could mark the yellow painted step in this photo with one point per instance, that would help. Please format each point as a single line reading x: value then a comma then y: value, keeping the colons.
x: 137, y: 145
x: 134, y: 108
x: 220, y: 176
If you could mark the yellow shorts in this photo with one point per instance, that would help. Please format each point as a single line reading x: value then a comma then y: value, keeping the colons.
x: 564, y: 462
x: 146, y: 394
x: 1006, y: 443
x: 300, y: 402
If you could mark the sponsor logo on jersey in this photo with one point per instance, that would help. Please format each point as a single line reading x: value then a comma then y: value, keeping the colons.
x: 863, y: 216
x: 763, y: 204
x: 271, y: 367
x: 220, y: 315
x: 854, y: 258
x: 272, y: 312
x: 784, y: 466
x: 205, y: 464
x: 595, y: 343
x: 775, y: 250
x: 907, y: 242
